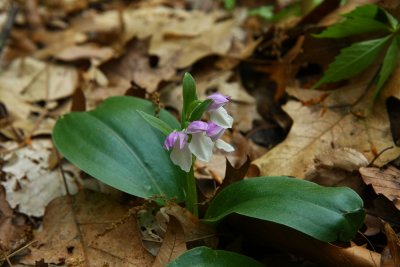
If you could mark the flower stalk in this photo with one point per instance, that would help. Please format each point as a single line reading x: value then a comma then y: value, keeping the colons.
x: 191, y: 191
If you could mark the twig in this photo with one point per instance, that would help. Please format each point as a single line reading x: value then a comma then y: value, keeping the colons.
x: 379, y: 154
x: 5, y: 33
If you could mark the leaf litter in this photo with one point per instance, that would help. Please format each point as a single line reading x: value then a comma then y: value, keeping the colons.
x: 97, y: 50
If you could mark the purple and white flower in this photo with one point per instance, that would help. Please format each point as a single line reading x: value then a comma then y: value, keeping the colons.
x: 200, y: 137
x: 217, y: 113
x: 180, y: 154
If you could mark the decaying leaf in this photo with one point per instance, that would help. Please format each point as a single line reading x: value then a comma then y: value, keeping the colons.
x: 37, y: 80
x: 88, y: 229
x: 318, y: 129
x: 338, y: 167
x: 29, y: 183
x: 391, y: 253
x: 194, y: 230
x: 384, y: 181
x: 15, y: 229
x: 135, y: 66
x: 153, y: 226
x: 174, y: 244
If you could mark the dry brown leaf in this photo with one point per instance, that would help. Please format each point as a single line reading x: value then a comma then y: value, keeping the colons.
x: 36, y: 80
x: 194, y: 230
x: 88, y: 229
x: 173, y: 245
x: 391, y: 253
x: 384, y: 181
x: 135, y: 66
x: 29, y: 183
x: 15, y: 229
x: 87, y: 51
x: 318, y: 129
x: 338, y: 167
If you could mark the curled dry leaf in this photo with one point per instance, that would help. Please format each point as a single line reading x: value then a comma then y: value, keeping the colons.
x: 88, y: 229
x: 337, y: 167
x: 193, y: 228
x: 391, y: 253
x: 173, y: 245
x: 384, y: 181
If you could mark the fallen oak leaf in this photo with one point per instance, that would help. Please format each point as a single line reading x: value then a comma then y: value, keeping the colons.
x: 384, y: 181
x: 314, y: 133
x: 173, y: 245
x: 88, y: 229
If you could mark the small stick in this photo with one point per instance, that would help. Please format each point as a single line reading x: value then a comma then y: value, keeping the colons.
x: 11, y: 15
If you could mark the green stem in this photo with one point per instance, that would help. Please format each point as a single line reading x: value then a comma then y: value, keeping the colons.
x: 191, y: 191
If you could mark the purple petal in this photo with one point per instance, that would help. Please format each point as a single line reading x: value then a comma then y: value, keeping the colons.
x: 218, y: 100
x: 170, y: 140
x: 215, y: 131
x: 197, y: 127
x: 183, y: 138
x: 173, y: 137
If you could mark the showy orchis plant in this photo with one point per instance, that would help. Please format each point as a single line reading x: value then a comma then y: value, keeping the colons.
x: 118, y: 144
x: 196, y: 138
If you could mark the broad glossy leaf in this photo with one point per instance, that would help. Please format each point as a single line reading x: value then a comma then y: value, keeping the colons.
x: 389, y: 63
x: 325, y: 213
x: 352, y: 60
x: 204, y: 256
x: 114, y: 144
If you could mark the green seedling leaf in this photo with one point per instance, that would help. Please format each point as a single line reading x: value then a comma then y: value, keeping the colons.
x: 156, y: 123
x: 199, y: 110
x: 114, y: 144
x: 265, y: 12
x: 353, y: 27
x: 393, y: 22
x: 204, y: 256
x: 388, y: 65
x: 325, y: 213
x: 352, y: 60
x: 229, y: 4
x: 364, y: 11
x: 189, y: 94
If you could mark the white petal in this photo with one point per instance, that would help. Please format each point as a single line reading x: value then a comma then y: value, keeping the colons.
x: 181, y: 157
x: 221, y: 117
x: 224, y: 146
x: 201, y: 146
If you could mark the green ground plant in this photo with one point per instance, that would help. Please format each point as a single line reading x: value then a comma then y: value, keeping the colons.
x: 127, y: 145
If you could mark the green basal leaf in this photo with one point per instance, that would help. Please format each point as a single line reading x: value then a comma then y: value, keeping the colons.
x: 389, y: 64
x: 199, y: 110
x: 204, y: 256
x: 189, y: 94
x: 156, y: 123
x: 353, y: 27
x: 325, y: 213
x: 352, y: 60
x: 114, y: 144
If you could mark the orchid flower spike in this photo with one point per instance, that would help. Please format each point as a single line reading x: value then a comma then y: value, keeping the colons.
x: 217, y: 113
